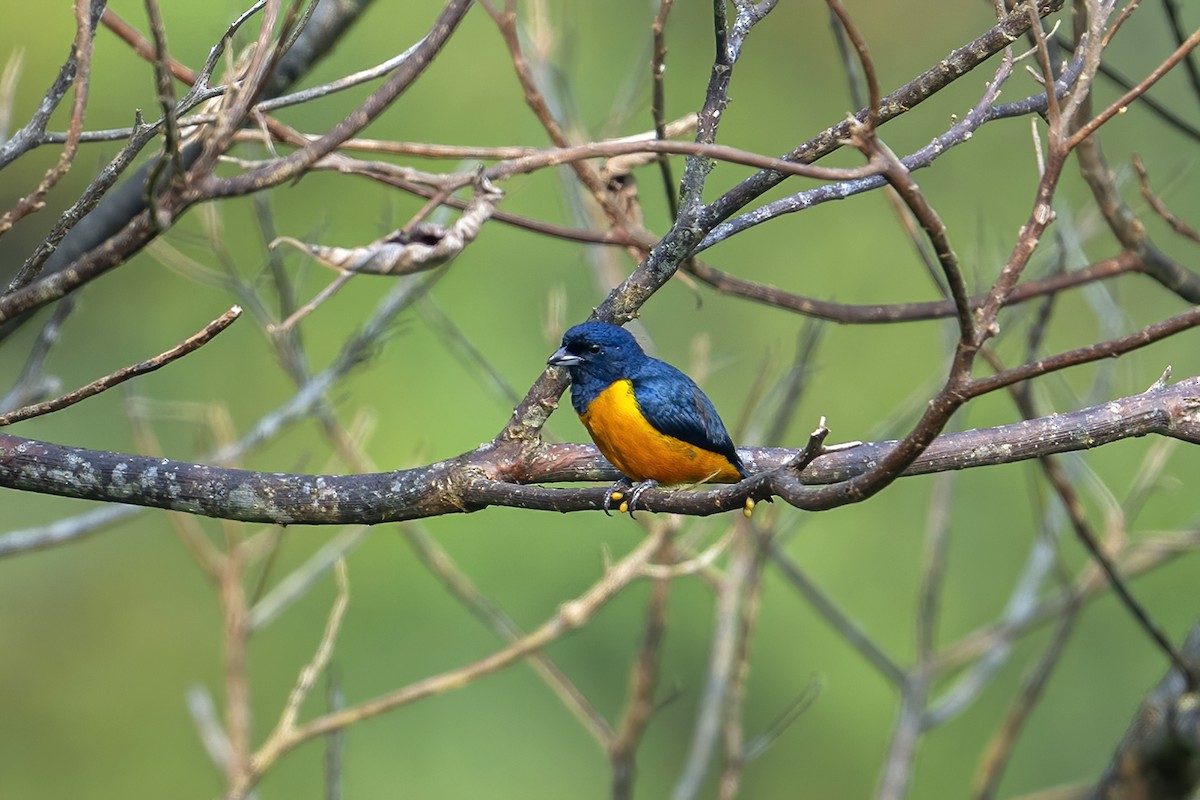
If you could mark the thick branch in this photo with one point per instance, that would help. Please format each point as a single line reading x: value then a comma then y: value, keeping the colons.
x: 494, y: 473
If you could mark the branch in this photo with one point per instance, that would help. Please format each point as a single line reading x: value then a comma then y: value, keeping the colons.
x: 96, y: 227
x: 921, y: 88
x: 1121, y: 103
x: 886, y: 313
x: 82, y: 57
x: 495, y: 473
x: 29, y: 136
x: 570, y: 616
x: 192, y: 343
x: 288, y: 167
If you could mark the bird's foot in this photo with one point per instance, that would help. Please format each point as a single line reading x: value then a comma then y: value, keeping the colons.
x: 616, y: 492
x: 631, y: 504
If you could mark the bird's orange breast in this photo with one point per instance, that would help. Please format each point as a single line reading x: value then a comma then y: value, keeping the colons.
x: 617, y: 426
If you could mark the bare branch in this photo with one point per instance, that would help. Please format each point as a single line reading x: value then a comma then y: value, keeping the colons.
x: 83, y: 66
x: 462, y: 484
x: 847, y: 314
x: 192, y: 343
x: 569, y: 616
x: 1121, y: 103
x: 288, y: 167
x: 1160, y: 208
x: 29, y: 135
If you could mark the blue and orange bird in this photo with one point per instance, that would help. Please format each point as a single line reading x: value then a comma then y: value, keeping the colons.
x: 649, y: 419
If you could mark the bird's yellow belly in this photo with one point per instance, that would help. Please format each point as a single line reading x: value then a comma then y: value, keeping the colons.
x: 641, y: 452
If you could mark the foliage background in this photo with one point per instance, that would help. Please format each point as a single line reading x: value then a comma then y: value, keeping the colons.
x: 100, y: 641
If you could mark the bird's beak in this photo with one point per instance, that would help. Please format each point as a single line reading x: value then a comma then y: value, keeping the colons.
x: 562, y: 358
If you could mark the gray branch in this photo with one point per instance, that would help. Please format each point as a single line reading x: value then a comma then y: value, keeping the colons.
x: 498, y: 472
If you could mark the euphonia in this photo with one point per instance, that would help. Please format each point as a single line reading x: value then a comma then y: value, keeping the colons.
x: 649, y: 419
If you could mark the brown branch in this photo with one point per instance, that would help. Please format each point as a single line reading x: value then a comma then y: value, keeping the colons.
x: 171, y: 161
x: 142, y: 228
x: 1121, y: 219
x: 848, y: 314
x: 1028, y: 238
x: 1160, y: 208
x: 30, y: 135
x: 958, y: 63
x: 864, y: 60
x: 643, y: 676
x: 252, y: 72
x: 1119, y: 105
x: 658, y: 67
x: 1053, y: 111
x: 570, y: 615
x: 506, y: 22
x: 571, y: 154
x: 438, y: 562
x: 431, y: 150
x: 901, y: 180
x: 192, y: 343
x: 82, y: 54
x: 142, y: 47
x: 288, y: 167
x: 1095, y: 352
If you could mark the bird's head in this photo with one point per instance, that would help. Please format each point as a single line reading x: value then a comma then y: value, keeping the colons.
x: 597, y: 351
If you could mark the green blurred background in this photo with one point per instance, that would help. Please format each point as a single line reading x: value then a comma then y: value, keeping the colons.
x: 100, y: 640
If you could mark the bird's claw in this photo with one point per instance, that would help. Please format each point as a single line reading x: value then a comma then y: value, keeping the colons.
x: 631, y: 504
x: 616, y: 492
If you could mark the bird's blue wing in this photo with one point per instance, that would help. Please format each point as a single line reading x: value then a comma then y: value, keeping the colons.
x: 676, y: 406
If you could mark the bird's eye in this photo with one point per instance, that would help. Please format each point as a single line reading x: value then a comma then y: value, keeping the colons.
x: 593, y: 348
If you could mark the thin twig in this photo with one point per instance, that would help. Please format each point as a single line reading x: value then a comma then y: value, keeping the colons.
x: 31, y: 383
x: 900, y: 179
x: 569, y: 616
x: 1160, y: 208
x: 879, y: 314
x: 658, y: 68
x: 864, y: 60
x: 171, y: 161
x: 452, y: 576
x: 320, y: 659
x: 288, y: 167
x: 188, y: 345
x: 82, y: 55
x: 643, y: 677
x: 1119, y: 105
x: 721, y: 667
x: 1177, y: 30
x: 236, y: 636
x: 144, y: 48
x: 29, y: 135
x: 737, y: 752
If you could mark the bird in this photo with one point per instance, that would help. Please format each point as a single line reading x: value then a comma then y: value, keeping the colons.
x: 650, y: 420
